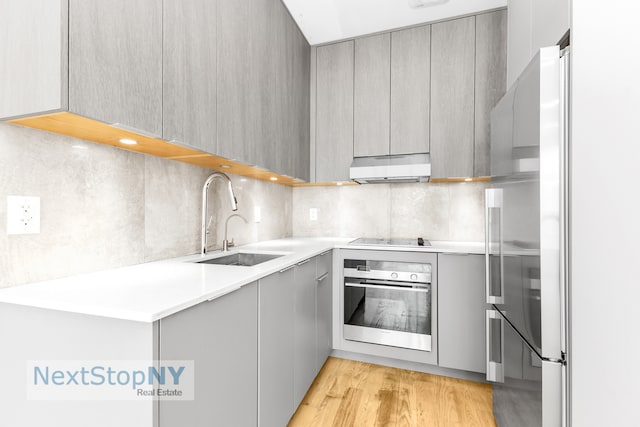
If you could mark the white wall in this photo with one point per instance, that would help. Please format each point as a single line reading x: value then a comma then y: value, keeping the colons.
x: 605, y: 213
x: 102, y: 207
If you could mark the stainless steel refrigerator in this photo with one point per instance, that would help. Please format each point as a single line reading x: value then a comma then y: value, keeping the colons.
x: 526, y: 227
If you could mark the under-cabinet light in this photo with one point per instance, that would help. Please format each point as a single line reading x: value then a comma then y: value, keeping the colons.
x: 128, y: 141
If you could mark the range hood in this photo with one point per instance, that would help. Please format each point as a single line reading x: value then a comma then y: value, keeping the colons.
x: 392, y: 168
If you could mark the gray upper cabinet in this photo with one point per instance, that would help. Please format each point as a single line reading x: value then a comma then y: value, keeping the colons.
x: 452, y: 97
x: 371, y: 95
x: 410, y: 86
x: 35, y: 79
x: 245, y: 65
x: 189, y: 73
x: 334, y: 111
x: 461, y: 312
x: 263, y: 86
x: 291, y: 156
x: 115, y: 62
x: 99, y: 59
x: 221, y: 337
x: 491, y: 78
x: 425, y: 89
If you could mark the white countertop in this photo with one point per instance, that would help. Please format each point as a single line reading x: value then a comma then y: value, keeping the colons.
x: 151, y: 291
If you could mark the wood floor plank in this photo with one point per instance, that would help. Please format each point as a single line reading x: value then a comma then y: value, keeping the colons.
x: 348, y: 393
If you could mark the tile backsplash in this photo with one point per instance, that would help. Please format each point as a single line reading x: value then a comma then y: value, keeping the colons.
x: 433, y: 211
x: 103, y: 207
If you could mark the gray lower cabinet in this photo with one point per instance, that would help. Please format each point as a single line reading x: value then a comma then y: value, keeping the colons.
x: 334, y: 111
x: 189, y: 73
x: 275, y: 364
x: 221, y: 337
x: 323, y: 308
x: 115, y: 62
x: 461, y: 312
x: 452, y: 98
x: 304, y: 341
x: 371, y: 95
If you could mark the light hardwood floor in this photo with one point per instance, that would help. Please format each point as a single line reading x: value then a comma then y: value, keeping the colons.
x: 349, y: 393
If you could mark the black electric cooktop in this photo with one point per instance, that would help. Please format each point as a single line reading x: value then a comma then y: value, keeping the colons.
x: 419, y: 241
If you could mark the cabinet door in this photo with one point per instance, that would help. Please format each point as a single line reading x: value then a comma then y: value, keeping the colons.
x: 371, y: 95
x: 491, y: 79
x: 34, y: 57
x: 115, y: 62
x: 323, y: 310
x: 461, y: 311
x: 291, y: 156
x: 221, y: 337
x: 334, y: 111
x: 410, y: 87
x: 246, y: 83
x: 276, y: 349
x: 452, y: 90
x: 304, y: 352
x: 189, y: 73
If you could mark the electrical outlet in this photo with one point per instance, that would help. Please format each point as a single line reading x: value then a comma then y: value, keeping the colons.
x: 257, y: 217
x: 23, y: 215
x: 313, y: 214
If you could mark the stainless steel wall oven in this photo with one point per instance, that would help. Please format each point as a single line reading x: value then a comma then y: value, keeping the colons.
x: 389, y: 298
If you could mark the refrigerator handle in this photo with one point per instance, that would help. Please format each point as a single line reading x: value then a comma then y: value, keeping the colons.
x: 494, y: 328
x: 493, y: 202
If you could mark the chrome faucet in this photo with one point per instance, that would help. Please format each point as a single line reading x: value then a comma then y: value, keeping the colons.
x: 205, y: 197
x: 226, y: 244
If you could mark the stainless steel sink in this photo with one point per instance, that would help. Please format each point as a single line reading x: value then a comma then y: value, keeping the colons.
x: 245, y: 259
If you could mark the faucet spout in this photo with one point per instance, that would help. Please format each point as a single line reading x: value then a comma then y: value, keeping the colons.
x: 225, y: 243
x: 205, y: 199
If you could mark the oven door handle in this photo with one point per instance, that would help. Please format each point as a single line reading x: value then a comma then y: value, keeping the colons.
x: 417, y: 288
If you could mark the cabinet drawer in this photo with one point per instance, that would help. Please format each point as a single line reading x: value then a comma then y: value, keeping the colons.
x: 323, y: 264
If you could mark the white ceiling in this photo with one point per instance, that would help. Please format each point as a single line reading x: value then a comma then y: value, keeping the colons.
x: 324, y: 21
